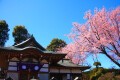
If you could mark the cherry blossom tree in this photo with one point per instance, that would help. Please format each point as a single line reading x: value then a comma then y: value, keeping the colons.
x: 99, y: 34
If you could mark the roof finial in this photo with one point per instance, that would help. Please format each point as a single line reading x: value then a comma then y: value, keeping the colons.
x: 32, y: 35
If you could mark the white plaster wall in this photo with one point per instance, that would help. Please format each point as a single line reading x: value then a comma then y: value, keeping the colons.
x: 43, y: 76
x: 44, y: 70
x: 12, y: 68
x: 13, y: 63
x: 45, y: 65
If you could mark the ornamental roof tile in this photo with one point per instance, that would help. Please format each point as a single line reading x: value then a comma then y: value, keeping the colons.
x: 69, y: 63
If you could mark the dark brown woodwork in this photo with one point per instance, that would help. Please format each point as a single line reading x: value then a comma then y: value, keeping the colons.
x: 3, y: 61
x: 31, y: 49
x: 27, y: 75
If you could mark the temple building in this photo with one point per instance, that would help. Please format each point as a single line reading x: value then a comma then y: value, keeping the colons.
x: 29, y: 59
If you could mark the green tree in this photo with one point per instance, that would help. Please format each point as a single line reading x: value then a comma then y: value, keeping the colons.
x: 97, y: 64
x: 4, y: 36
x: 20, y: 34
x: 56, y: 44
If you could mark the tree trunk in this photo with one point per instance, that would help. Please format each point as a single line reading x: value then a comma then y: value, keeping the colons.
x: 104, y: 52
x: 112, y: 59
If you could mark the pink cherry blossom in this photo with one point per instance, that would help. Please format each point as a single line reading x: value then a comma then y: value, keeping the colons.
x: 100, y: 34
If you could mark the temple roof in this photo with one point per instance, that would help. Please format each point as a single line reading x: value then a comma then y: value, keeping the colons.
x: 66, y: 63
x: 13, y: 48
x: 28, y: 43
x: 32, y: 47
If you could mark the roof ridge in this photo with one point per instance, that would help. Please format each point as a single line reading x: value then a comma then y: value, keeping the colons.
x: 28, y: 41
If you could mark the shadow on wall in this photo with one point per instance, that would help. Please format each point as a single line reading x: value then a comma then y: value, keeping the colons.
x: 9, y: 78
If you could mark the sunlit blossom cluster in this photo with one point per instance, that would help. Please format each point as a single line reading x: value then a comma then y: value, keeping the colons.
x: 100, y: 34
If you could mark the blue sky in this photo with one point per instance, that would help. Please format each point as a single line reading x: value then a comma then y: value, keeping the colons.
x: 48, y: 19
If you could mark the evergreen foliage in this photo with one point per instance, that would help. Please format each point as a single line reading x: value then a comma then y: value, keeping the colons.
x: 4, y: 36
x: 56, y: 44
x: 102, y: 74
x: 20, y: 34
x: 97, y: 64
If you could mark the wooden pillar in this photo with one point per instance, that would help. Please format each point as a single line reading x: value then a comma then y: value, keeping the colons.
x: 29, y: 71
x: 4, y: 61
x: 49, y: 68
x: 20, y: 59
x: 70, y: 74
x: 59, y: 74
